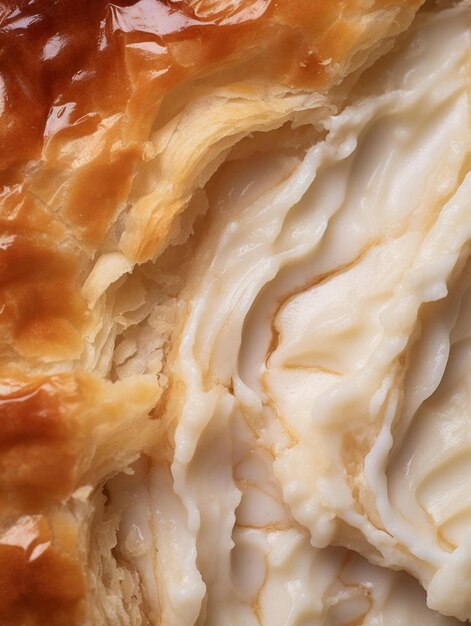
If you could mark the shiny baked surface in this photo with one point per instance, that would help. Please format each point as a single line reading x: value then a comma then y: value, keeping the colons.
x: 205, y: 211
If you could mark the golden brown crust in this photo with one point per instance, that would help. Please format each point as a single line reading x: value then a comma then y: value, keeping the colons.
x: 66, y: 69
x: 93, y: 104
x: 40, y: 444
x: 47, y: 426
x: 41, y: 577
x: 57, y: 434
x: 81, y: 93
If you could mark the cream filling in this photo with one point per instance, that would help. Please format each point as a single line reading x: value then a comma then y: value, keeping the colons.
x: 319, y: 374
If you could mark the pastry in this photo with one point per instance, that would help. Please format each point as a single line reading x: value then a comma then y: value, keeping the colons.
x: 234, y: 294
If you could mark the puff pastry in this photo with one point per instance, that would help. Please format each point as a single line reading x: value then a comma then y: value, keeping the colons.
x: 234, y: 295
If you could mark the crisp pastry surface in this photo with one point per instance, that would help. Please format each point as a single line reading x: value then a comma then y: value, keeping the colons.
x: 234, y: 313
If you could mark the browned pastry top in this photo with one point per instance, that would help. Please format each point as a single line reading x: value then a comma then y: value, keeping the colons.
x: 67, y: 66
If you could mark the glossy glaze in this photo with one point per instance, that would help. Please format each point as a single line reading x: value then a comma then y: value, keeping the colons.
x: 64, y: 69
x: 38, y: 445
x: 41, y: 580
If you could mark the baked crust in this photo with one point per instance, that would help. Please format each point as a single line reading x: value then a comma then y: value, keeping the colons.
x: 59, y: 433
x: 112, y: 117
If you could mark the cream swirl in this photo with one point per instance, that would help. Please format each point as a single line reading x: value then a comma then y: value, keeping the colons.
x: 319, y: 375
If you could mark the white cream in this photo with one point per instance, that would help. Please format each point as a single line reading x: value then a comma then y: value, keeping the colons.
x: 309, y: 409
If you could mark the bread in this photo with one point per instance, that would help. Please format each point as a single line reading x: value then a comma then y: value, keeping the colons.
x: 192, y: 257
